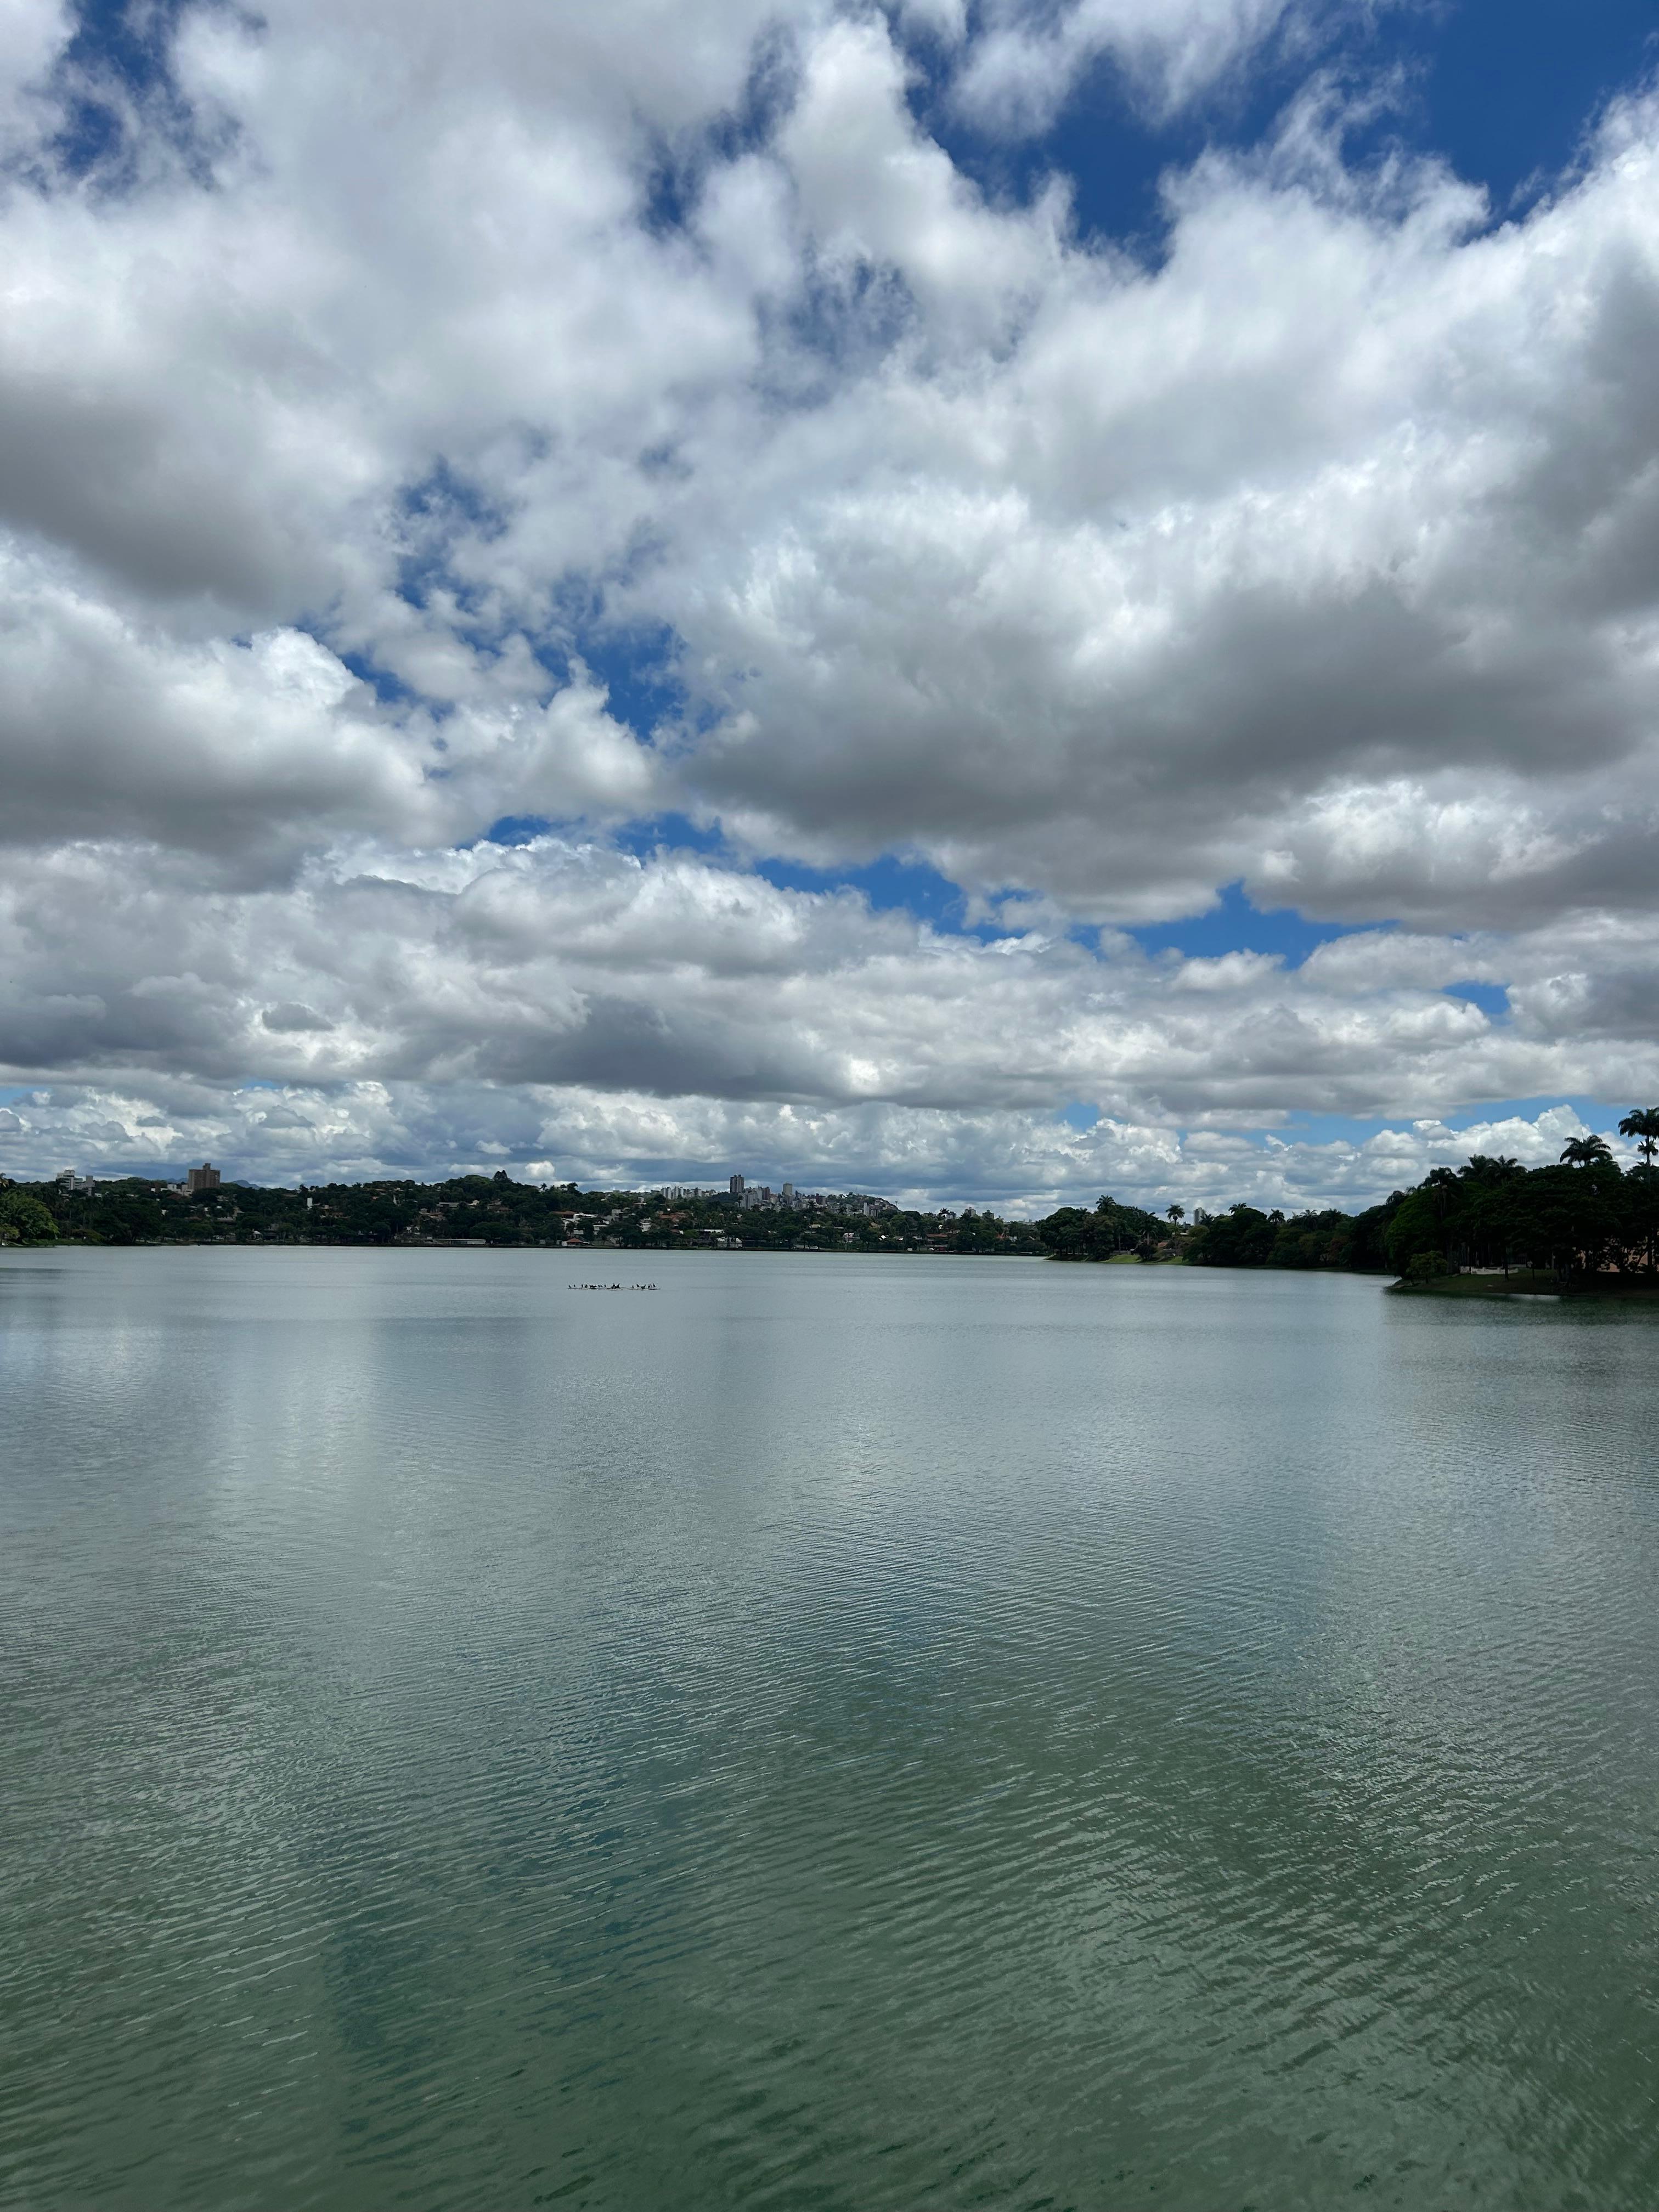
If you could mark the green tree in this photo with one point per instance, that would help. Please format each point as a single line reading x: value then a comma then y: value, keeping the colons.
x: 1071, y: 1234
x: 1638, y: 1213
x: 1417, y: 1226
x: 1642, y: 1122
x: 1486, y: 1223
x: 1565, y: 1218
x: 1242, y: 1236
x: 1585, y: 1151
x: 24, y: 1220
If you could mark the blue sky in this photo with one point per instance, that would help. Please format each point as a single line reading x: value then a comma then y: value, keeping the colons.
x: 1502, y: 92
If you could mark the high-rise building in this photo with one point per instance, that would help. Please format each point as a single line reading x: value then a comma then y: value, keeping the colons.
x: 736, y: 1186
x: 202, y: 1178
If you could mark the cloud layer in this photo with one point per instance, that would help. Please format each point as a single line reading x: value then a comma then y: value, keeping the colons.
x: 411, y: 423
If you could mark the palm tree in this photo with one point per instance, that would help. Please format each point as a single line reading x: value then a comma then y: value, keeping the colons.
x: 1179, y: 1212
x: 1481, y: 1169
x: 1642, y: 1122
x: 1585, y: 1151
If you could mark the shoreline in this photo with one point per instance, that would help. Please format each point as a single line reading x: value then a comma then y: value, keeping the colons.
x: 1524, y: 1283
x: 1520, y: 1284
x: 1069, y: 1260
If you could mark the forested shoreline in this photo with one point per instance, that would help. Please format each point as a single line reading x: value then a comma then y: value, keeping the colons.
x: 1578, y: 1219
x: 490, y: 1210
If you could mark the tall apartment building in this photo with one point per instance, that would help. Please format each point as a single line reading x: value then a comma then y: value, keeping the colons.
x: 202, y: 1178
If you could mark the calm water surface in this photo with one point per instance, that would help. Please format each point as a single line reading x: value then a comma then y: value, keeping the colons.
x: 832, y: 1733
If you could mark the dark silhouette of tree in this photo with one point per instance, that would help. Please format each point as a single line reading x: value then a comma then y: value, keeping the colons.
x: 1641, y: 1213
x: 1585, y: 1151
x: 1481, y: 1170
x: 1642, y: 1122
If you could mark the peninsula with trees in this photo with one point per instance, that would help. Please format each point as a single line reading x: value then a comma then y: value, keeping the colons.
x: 1580, y: 1223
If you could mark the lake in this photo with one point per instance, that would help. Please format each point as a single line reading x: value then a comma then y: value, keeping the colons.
x: 827, y: 1733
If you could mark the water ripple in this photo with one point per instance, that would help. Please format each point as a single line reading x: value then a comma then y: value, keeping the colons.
x: 958, y: 1736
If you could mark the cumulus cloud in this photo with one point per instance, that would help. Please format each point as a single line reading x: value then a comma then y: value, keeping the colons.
x: 256, y: 745
x: 1022, y: 1163
x: 1290, y: 563
x: 396, y: 391
x: 723, y: 1015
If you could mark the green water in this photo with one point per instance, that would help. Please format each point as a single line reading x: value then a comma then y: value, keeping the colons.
x: 831, y: 1733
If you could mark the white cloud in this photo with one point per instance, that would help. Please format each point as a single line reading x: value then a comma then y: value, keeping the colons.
x: 1254, y: 567
x: 718, y: 1014
x: 33, y: 32
x: 1022, y: 1163
x: 109, y: 723
x: 1324, y: 556
x: 875, y: 193
x: 1029, y: 59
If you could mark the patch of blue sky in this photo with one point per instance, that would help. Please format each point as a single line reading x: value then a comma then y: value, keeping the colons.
x: 1503, y: 90
x: 117, y: 65
x: 1506, y: 89
x: 1235, y: 925
x: 892, y: 885
x: 640, y: 671
x: 513, y: 829
x: 438, y: 511
x: 1492, y: 998
x: 1112, y: 151
x: 670, y: 833
x: 390, y: 690
x: 666, y: 833
x: 673, y: 181
x: 1081, y: 1115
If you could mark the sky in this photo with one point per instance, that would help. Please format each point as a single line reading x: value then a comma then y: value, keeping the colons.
x: 985, y: 602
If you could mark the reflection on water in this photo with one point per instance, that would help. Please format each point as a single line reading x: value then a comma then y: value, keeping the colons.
x: 836, y: 1733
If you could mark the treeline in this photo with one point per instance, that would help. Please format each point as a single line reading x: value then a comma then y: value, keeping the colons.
x: 1109, y: 1232
x: 477, y: 1209
x: 1243, y: 1237
x: 1582, y: 1217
